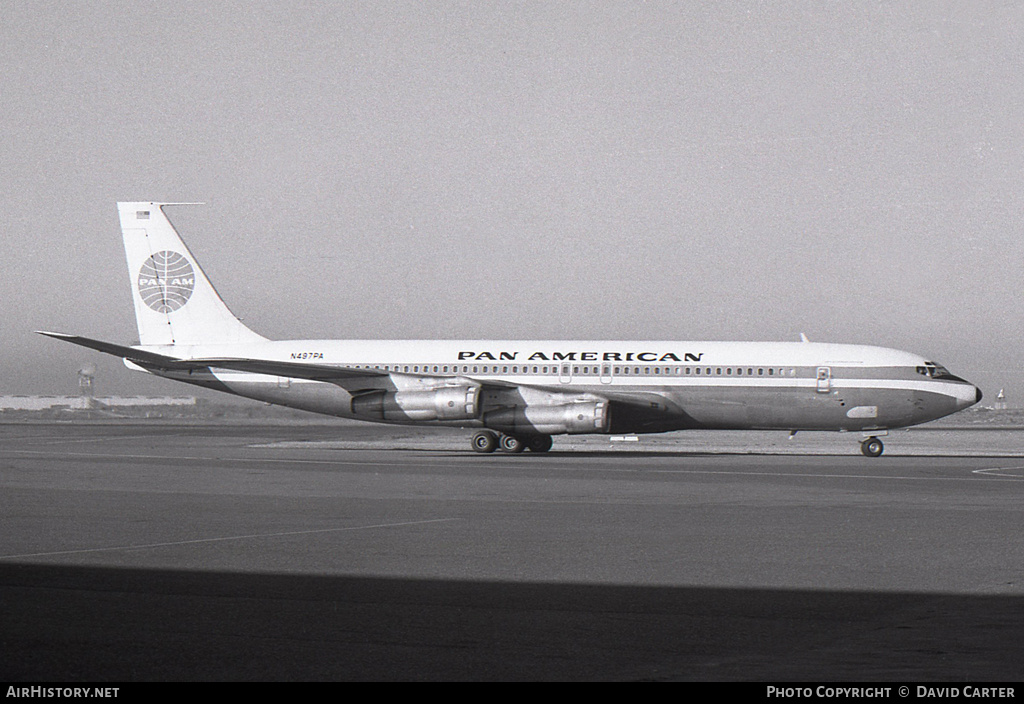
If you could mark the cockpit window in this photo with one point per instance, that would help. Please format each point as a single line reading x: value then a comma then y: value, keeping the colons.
x: 936, y: 371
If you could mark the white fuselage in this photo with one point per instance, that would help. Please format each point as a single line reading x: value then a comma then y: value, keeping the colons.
x: 755, y: 385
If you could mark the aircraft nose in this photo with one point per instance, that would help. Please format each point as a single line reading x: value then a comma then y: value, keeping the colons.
x: 967, y: 396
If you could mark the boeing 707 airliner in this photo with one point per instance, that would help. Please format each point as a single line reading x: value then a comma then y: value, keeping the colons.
x: 516, y: 394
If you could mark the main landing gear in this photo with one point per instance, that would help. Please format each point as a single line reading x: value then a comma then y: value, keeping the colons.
x: 486, y: 441
x: 872, y: 447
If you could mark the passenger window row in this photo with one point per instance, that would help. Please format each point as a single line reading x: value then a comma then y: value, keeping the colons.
x: 577, y: 370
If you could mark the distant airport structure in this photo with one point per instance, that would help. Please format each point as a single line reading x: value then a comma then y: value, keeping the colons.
x: 86, y: 400
x: 86, y: 403
x: 85, y: 376
x: 1000, y: 404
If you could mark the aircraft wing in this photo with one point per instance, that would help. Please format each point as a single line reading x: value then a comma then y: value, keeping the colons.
x: 154, y: 360
x: 295, y: 370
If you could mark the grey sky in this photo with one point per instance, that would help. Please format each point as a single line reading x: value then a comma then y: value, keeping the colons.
x: 522, y: 170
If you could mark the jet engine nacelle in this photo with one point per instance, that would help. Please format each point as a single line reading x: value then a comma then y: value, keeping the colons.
x: 571, y: 418
x: 447, y: 403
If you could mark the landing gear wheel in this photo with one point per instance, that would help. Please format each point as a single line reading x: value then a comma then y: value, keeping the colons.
x: 485, y: 441
x: 872, y: 447
x: 511, y: 444
x: 538, y: 443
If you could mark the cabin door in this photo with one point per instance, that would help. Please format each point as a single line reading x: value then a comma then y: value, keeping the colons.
x: 824, y: 380
x: 565, y: 372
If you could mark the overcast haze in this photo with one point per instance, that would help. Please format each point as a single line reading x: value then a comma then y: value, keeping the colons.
x: 601, y: 170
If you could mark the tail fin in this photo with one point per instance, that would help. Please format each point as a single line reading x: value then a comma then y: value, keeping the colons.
x: 175, y: 304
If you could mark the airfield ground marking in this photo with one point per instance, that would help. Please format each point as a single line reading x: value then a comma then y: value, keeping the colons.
x: 985, y: 472
x: 227, y: 538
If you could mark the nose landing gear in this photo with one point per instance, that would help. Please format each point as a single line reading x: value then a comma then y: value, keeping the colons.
x: 872, y: 447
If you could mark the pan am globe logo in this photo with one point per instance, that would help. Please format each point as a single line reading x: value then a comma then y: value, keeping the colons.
x: 166, y: 281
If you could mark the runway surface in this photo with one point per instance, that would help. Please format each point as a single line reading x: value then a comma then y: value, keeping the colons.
x: 155, y: 551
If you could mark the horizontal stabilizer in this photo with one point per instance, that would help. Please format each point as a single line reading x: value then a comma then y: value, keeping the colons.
x: 150, y: 359
x: 153, y: 360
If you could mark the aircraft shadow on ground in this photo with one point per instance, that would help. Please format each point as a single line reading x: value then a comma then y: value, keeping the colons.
x: 87, y: 624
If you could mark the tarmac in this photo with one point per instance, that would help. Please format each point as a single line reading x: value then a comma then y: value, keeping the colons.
x: 158, y: 551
